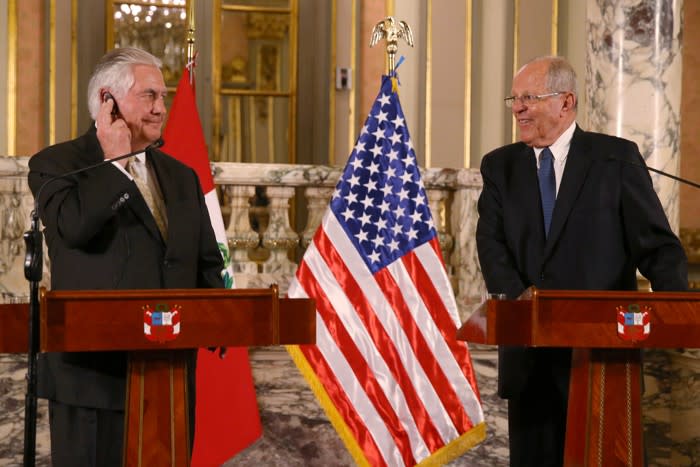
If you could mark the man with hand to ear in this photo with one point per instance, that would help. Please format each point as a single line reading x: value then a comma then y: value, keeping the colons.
x: 128, y: 118
x: 137, y: 223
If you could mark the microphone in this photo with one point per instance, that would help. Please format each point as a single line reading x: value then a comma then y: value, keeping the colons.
x: 661, y: 172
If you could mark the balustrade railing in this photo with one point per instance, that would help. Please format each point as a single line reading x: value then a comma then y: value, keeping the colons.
x: 271, y: 212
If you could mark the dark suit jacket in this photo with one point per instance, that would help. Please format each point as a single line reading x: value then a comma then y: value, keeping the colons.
x: 101, y: 235
x: 607, y: 223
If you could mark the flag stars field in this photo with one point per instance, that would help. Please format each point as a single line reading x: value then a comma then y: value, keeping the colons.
x: 380, y: 194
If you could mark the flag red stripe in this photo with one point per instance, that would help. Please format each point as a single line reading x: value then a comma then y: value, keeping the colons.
x: 437, y: 309
x: 424, y: 354
x: 355, y: 359
x: 343, y: 405
x: 382, y: 341
x: 441, y: 315
x: 435, y: 245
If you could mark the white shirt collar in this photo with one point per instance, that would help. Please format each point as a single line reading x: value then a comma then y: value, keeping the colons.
x: 560, y: 148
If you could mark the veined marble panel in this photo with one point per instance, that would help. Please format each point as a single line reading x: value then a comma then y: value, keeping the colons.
x: 470, y: 287
x: 13, y: 369
x: 633, y: 82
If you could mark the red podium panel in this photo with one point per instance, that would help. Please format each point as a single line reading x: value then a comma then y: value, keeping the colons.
x: 606, y: 330
x: 156, y: 422
x: 14, y: 331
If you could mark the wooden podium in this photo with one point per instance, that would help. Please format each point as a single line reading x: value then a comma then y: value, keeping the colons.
x: 156, y: 425
x: 605, y: 329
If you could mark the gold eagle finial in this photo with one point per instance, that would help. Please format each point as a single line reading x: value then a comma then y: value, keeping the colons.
x: 392, y: 30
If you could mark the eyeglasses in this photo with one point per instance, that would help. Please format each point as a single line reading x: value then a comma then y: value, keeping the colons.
x: 527, y: 99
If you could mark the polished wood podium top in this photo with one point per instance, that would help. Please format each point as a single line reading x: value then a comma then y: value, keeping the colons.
x: 98, y: 320
x: 585, y: 319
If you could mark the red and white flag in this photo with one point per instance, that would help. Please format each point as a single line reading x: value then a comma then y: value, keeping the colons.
x: 227, y: 418
x: 387, y: 367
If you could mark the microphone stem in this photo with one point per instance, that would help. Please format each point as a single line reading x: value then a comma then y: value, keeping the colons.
x: 660, y: 172
x: 682, y: 180
x: 33, y: 270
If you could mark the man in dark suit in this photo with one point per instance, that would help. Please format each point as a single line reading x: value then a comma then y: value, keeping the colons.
x: 108, y: 229
x: 561, y: 210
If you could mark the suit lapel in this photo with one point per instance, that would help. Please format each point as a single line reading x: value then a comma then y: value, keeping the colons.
x: 529, y: 191
x: 578, y: 162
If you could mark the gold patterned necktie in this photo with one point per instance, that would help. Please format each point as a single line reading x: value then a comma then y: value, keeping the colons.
x: 139, y: 171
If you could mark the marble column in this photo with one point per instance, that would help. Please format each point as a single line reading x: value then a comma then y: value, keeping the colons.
x: 633, y: 81
x: 633, y: 85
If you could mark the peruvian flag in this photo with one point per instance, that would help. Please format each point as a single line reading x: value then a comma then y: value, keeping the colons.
x: 227, y: 411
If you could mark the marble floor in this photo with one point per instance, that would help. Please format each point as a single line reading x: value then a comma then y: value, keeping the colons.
x: 297, y: 432
x: 300, y: 434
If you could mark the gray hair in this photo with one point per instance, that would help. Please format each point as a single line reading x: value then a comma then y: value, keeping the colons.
x: 115, y: 72
x: 561, y: 76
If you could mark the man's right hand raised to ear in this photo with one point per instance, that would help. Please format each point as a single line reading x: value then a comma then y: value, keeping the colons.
x: 112, y: 133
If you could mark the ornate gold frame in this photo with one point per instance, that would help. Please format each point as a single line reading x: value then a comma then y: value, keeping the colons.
x: 468, y: 85
x: 11, y: 76
x: 217, y: 89
x: 428, y: 130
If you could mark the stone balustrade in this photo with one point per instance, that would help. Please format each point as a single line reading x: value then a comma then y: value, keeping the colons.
x: 263, y: 205
x: 265, y: 243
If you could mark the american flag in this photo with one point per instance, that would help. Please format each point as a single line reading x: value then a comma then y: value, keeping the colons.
x: 387, y: 368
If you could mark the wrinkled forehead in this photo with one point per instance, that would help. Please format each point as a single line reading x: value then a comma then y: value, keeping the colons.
x: 531, y: 78
x: 148, y: 77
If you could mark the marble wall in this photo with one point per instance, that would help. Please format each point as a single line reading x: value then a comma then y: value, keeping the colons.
x: 633, y: 82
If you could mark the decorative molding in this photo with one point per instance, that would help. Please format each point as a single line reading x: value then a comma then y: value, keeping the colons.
x: 268, y: 26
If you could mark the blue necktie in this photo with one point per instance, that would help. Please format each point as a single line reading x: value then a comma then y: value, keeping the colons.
x: 548, y: 186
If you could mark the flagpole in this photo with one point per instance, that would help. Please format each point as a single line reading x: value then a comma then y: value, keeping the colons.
x: 190, y: 39
x: 391, y: 30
